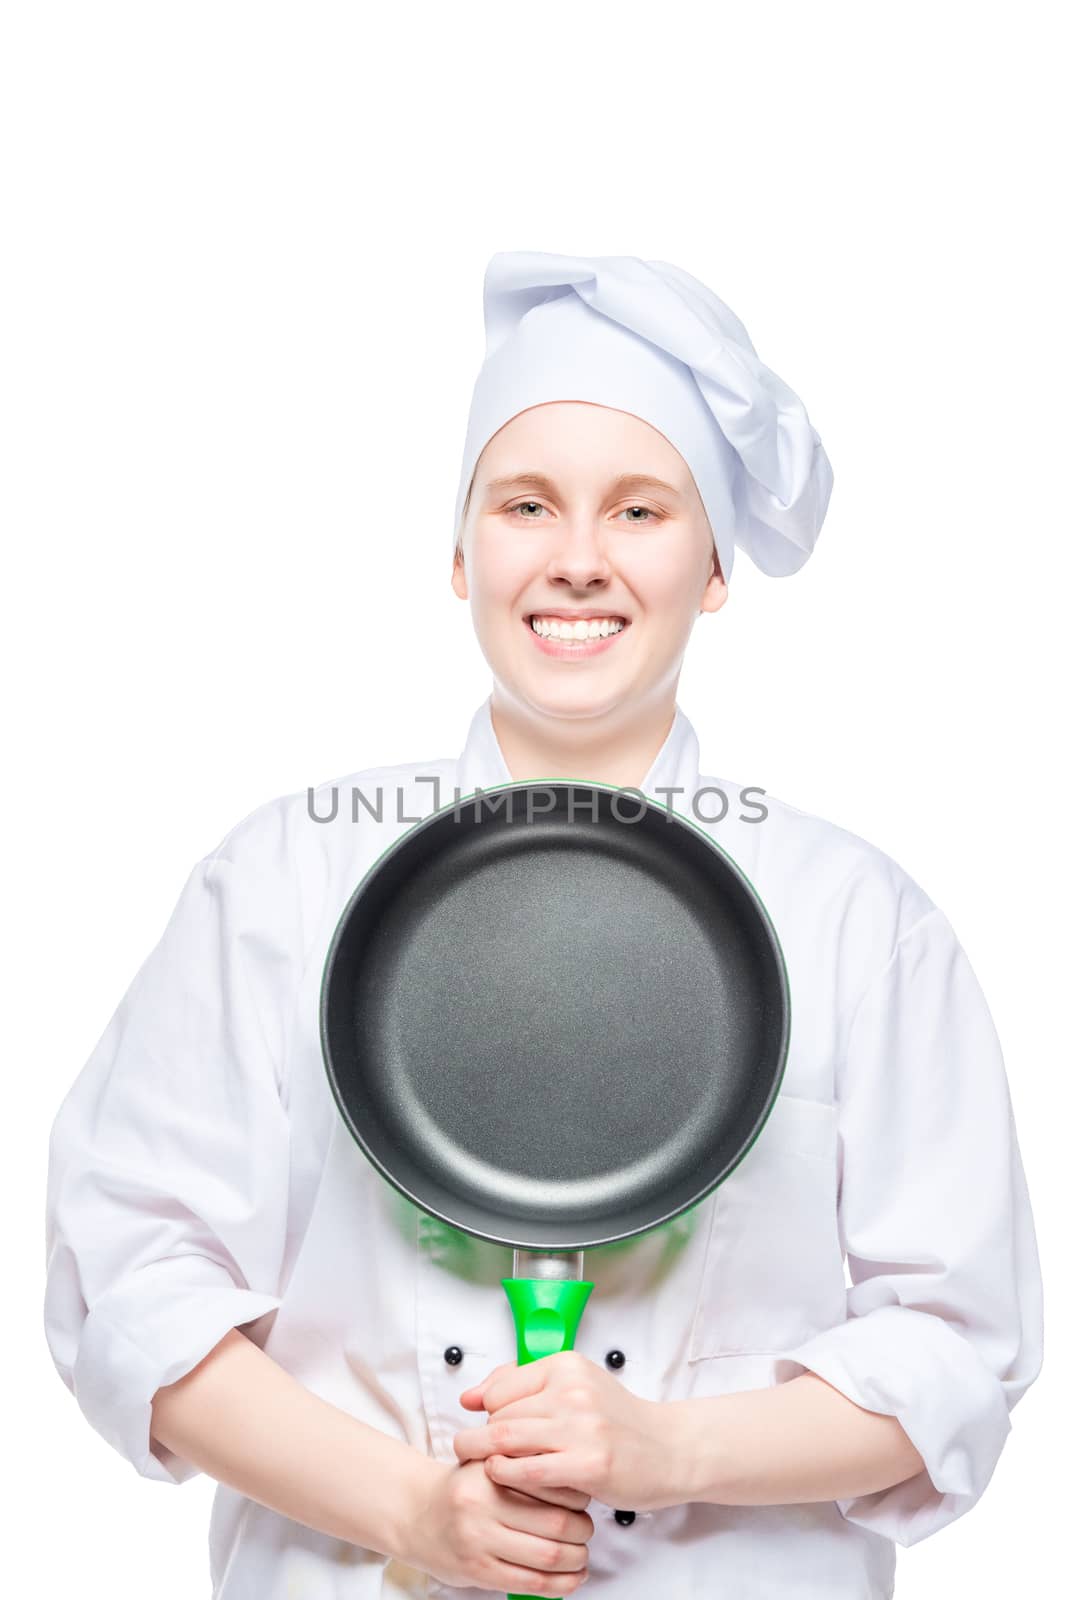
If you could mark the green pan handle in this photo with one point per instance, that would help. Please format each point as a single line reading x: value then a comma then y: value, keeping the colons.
x: 547, y: 1313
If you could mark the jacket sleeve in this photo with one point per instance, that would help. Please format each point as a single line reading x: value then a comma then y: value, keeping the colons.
x: 168, y: 1163
x: 944, y: 1315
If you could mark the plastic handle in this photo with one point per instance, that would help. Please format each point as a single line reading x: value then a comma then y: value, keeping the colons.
x: 547, y: 1312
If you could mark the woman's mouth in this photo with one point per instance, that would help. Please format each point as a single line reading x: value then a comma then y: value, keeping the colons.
x: 570, y: 637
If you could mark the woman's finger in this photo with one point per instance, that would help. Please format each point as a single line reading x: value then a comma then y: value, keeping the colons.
x: 526, y: 1514
x: 522, y: 1581
x: 472, y: 1398
x: 542, y: 1555
x: 505, y: 1383
x: 542, y: 1404
x: 534, y: 1472
x: 521, y: 1436
x: 575, y: 1499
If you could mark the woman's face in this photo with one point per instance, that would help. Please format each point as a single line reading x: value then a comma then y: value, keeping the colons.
x: 564, y: 533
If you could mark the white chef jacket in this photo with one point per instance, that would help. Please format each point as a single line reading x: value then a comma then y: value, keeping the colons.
x: 201, y: 1178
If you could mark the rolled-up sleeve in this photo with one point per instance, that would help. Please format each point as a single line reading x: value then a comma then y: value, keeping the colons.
x: 168, y: 1163
x: 944, y: 1316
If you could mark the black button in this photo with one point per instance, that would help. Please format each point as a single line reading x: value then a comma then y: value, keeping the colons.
x: 625, y: 1518
x: 615, y: 1359
x: 454, y: 1355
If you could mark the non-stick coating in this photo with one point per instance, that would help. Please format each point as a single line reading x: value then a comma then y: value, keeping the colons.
x: 550, y: 1028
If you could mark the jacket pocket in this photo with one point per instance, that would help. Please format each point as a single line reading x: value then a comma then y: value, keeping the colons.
x: 773, y: 1270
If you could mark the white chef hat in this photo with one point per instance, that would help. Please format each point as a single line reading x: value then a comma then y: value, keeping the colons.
x: 647, y: 338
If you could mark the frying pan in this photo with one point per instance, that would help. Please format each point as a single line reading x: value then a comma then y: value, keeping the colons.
x: 554, y: 1015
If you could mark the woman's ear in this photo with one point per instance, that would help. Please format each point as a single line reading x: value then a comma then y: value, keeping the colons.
x: 715, y: 593
x: 459, y: 576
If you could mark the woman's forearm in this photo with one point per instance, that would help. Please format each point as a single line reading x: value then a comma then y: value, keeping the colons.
x: 246, y: 1422
x: 795, y: 1442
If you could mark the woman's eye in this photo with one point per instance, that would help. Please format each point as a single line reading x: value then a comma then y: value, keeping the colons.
x: 535, y: 505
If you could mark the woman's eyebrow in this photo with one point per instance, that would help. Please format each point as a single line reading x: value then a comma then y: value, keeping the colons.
x: 538, y: 480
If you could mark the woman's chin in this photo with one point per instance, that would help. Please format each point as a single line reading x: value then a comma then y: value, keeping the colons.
x: 574, y: 700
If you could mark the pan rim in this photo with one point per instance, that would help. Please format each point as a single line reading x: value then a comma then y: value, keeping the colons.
x: 585, y: 1242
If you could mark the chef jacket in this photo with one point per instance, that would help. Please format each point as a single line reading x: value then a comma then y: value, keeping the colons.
x: 201, y: 1178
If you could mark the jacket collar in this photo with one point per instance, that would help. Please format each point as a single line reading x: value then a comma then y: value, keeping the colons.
x: 675, y: 766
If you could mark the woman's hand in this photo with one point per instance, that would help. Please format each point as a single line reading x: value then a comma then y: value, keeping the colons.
x: 562, y: 1420
x: 472, y: 1533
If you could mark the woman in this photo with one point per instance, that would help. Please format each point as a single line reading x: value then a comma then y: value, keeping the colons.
x: 233, y: 1289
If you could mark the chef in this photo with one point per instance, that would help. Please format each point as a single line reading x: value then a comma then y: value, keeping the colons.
x: 766, y: 1395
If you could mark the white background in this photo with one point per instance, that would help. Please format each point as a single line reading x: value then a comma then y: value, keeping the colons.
x: 241, y: 320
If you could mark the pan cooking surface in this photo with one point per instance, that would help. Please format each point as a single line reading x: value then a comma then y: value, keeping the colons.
x: 554, y: 1031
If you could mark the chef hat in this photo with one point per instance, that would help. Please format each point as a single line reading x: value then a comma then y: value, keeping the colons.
x: 647, y: 338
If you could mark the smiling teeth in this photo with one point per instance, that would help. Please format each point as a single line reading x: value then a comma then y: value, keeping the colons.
x: 584, y: 628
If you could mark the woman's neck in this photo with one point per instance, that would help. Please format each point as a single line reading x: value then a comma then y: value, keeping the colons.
x: 616, y: 752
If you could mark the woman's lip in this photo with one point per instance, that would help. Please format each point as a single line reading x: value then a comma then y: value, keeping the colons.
x: 573, y: 649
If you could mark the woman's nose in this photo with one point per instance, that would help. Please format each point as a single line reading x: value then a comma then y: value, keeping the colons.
x: 578, y: 557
